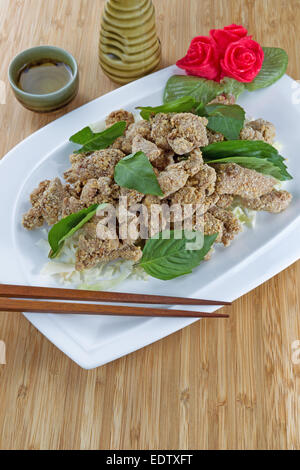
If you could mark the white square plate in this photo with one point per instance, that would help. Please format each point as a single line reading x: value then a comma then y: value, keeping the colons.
x: 255, y: 256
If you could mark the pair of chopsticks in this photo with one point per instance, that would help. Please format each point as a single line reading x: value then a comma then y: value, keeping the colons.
x: 40, y: 300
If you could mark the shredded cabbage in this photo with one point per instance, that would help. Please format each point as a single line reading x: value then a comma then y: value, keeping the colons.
x: 103, y: 276
x: 246, y: 216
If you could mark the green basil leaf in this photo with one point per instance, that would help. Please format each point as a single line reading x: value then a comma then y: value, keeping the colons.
x: 232, y: 87
x: 170, y: 258
x: 66, y: 227
x: 136, y: 172
x: 92, y: 142
x: 186, y: 85
x: 181, y: 105
x: 83, y: 136
x: 247, y: 149
x: 261, y: 165
x: 226, y: 119
x: 274, y: 67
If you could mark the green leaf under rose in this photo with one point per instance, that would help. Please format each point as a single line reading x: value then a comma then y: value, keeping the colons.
x: 203, y: 90
x: 274, y: 67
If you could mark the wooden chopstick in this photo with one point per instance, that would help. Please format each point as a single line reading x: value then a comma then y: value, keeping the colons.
x: 36, y: 306
x: 48, y: 293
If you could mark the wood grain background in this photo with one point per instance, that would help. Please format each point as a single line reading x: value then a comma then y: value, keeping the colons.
x: 214, y: 385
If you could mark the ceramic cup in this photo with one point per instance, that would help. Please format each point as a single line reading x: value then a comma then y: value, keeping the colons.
x: 51, y: 101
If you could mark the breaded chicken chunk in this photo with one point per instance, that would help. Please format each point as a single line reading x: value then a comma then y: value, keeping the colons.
x: 240, y: 181
x: 231, y: 225
x: 139, y: 128
x: 188, y: 133
x: 213, y: 225
x: 92, y: 250
x: 120, y: 115
x: 205, y: 179
x: 176, y: 175
x: 139, y: 144
x: 259, y: 130
x: 99, y: 163
x: 47, y: 202
x: 275, y: 201
x: 160, y: 129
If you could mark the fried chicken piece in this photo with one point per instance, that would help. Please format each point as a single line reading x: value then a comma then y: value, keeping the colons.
x: 213, y: 225
x: 172, y: 179
x: 76, y: 188
x: 38, y: 193
x: 99, y: 163
x: 259, y: 130
x: 275, y: 202
x: 47, y: 202
x: 188, y: 133
x: 33, y: 219
x: 160, y: 129
x: 51, y: 202
x: 92, y: 250
x: 141, y: 128
x: 210, y: 201
x: 205, y: 179
x: 90, y: 193
x: 156, y: 218
x: 98, y: 191
x: 139, y: 144
x: 166, y: 159
x: 176, y: 175
x: 189, y: 199
x: 133, y: 196
x: 225, y: 201
x: 188, y: 195
x: 119, y: 115
x: 239, y: 181
x: 194, y: 163
x: 128, y: 225
x: 231, y: 224
x: 71, y: 205
x: 106, y: 186
x: 208, y: 225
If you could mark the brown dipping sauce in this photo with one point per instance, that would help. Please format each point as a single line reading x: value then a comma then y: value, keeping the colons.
x: 44, y: 76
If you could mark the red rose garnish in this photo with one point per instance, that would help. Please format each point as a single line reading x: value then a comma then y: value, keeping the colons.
x: 202, y: 59
x: 223, y: 37
x: 243, y: 60
x: 227, y: 52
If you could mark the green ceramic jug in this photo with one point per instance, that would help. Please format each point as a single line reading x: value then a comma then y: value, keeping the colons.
x: 129, y: 47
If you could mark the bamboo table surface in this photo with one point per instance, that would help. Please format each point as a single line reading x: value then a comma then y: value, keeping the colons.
x: 215, y: 385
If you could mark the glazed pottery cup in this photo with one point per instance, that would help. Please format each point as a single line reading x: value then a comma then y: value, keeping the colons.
x: 51, y: 101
